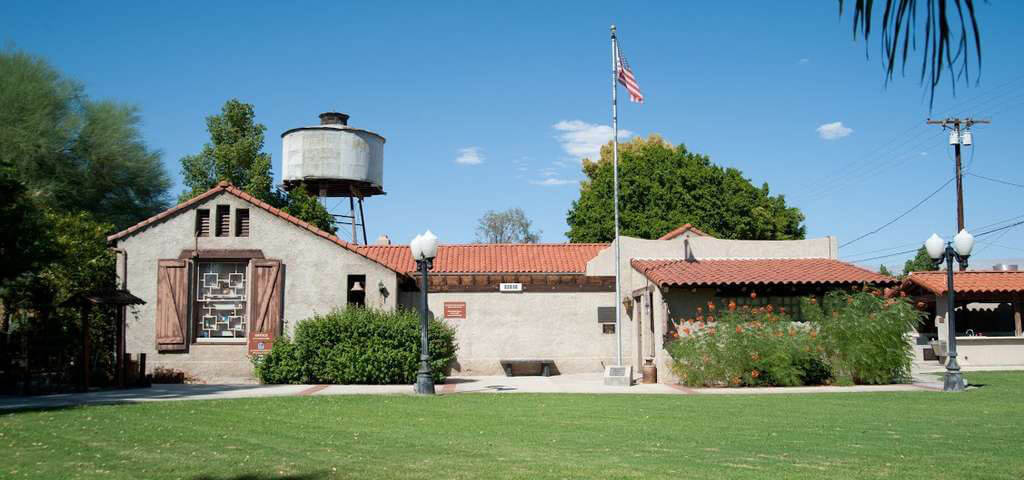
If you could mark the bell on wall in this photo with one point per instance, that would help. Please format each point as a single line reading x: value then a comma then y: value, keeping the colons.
x: 357, y: 287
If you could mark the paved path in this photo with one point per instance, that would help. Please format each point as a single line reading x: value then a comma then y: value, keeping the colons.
x: 579, y: 383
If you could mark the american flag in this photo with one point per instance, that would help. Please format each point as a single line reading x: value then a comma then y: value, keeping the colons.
x: 628, y: 80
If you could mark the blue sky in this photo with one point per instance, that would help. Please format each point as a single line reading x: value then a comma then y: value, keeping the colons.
x: 523, y: 89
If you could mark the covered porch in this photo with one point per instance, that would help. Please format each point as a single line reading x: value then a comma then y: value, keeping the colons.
x: 988, y: 316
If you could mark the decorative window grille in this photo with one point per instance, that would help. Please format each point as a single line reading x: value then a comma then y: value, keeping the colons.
x: 241, y: 222
x: 223, y: 220
x: 202, y: 222
x: 221, y: 302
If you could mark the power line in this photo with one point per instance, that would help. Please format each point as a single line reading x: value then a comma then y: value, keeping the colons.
x: 1004, y: 182
x: 883, y: 256
x: 911, y: 209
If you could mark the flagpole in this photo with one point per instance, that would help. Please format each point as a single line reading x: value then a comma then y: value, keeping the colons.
x: 615, y: 177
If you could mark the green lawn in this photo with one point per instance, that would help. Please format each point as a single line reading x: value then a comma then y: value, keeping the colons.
x: 977, y: 434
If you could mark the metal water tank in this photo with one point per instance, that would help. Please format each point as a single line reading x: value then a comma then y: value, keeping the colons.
x: 333, y: 159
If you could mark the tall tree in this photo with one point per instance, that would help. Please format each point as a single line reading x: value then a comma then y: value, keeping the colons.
x: 920, y: 263
x: 509, y: 226
x: 235, y: 153
x: 942, y: 51
x: 72, y: 153
x: 662, y: 186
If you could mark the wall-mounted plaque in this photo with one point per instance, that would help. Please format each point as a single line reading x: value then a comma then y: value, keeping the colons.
x: 454, y: 309
x: 510, y: 287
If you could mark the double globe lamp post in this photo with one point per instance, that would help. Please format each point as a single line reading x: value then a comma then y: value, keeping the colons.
x: 941, y: 250
x: 424, y: 249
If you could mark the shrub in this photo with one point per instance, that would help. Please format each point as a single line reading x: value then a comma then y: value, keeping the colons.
x: 865, y: 335
x: 357, y: 346
x: 747, y: 346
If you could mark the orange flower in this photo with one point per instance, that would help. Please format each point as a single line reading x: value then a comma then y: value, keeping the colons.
x: 686, y: 331
x: 755, y: 374
x: 675, y: 334
x: 814, y: 301
x: 753, y: 294
x: 768, y: 308
x: 711, y: 307
x: 732, y: 306
x: 814, y: 334
x: 739, y: 329
x: 735, y: 380
x: 700, y: 318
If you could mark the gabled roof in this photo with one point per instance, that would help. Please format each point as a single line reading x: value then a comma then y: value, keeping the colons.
x: 227, y: 187
x: 492, y: 258
x: 799, y: 271
x: 969, y: 282
x: 686, y: 227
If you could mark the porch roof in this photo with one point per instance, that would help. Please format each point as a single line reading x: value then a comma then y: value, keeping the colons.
x: 796, y: 271
x: 973, y: 282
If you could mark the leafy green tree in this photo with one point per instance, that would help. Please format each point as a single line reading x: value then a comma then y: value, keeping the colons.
x: 662, y: 186
x: 72, y: 153
x: 920, y: 263
x: 885, y: 271
x: 24, y: 244
x: 302, y: 205
x: 235, y: 154
x: 509, y: 226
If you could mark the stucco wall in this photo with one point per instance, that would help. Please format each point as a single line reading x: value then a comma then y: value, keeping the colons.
x: 535, y: 325
x: 315, y: 272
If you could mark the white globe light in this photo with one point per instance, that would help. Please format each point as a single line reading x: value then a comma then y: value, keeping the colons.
x: 935, y: 245
x: 429, y: 244
x: 963, y: 243
x: 416, y: 245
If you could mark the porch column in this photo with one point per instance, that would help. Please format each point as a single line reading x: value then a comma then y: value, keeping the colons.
x: 1016, y: 315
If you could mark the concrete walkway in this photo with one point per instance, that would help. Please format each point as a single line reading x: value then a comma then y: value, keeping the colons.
x: 577, y: 383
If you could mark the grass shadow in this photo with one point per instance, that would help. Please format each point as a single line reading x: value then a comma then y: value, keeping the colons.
x: 264, y: 476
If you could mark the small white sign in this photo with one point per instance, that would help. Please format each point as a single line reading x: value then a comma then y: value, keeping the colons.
x: 510, y: 287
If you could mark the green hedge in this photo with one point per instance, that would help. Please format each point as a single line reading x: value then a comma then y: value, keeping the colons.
x: 857, y: 337
x: 357, y: 346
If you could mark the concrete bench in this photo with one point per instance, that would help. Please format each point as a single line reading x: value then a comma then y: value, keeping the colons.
x: 545, y: 366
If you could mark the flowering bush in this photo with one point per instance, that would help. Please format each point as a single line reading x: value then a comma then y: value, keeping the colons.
x: 747, y: 346
x: 857, y: 337
x: 865, y: 335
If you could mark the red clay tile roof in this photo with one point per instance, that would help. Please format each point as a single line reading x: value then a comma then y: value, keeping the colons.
x: 755, y: 272
x: 492, y: 258
x: 681, y: 230
x: 229, y: 188
x: 969, y: 282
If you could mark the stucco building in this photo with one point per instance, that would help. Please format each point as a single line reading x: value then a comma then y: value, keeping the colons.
x: 224, y: 274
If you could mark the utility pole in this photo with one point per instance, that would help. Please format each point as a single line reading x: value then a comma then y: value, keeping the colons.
x: 959, y: 127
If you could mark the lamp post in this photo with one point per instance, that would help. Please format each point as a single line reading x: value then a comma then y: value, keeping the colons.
x: 941, y: 250
x: 424, y: 249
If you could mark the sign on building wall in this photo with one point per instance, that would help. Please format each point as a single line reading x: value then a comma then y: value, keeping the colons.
x: 454, y: 309
x: 510, y: 287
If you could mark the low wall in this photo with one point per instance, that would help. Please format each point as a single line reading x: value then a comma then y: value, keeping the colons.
x: 995, y: 351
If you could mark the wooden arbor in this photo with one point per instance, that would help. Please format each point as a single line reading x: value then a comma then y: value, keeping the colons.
x: 120, y: 299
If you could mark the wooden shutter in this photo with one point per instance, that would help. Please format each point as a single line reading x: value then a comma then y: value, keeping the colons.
x: 172, y: 306
x: 266, y: 305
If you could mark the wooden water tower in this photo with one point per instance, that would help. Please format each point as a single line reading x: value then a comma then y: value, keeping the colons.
x: 334, y: 160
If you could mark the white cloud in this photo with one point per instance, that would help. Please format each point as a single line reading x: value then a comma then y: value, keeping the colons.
x: 554, y: 182
x: 584, y: 140
x: 469, y: 156
x: 833, y: 131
